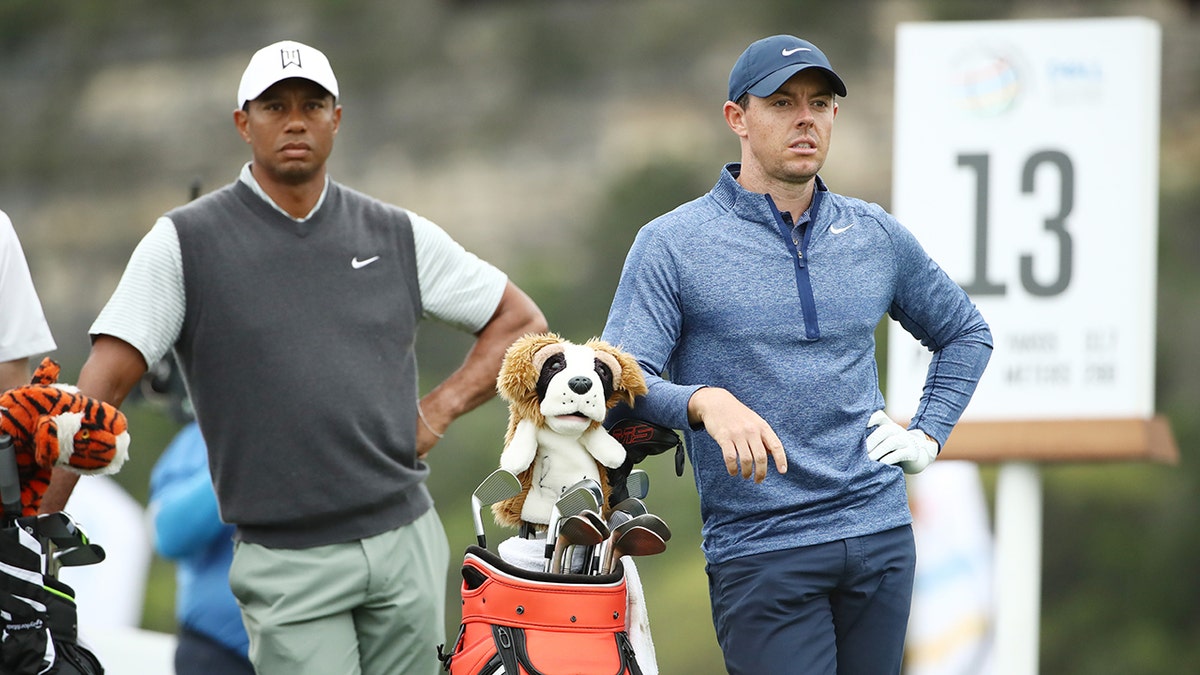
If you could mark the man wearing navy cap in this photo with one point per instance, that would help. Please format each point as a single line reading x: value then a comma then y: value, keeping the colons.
x: 761, y: 299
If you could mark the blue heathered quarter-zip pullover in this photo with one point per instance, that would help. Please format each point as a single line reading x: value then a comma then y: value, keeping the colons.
x: 716, y: 293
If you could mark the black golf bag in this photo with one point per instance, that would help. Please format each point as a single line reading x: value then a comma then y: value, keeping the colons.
x: 38, y: 624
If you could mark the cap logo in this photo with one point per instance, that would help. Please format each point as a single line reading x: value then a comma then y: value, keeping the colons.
x: 290, y: 57
x: 789, y: 52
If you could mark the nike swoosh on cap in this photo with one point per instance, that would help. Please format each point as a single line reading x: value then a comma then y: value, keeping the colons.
x: 789, y: 52
x: 359, y: 264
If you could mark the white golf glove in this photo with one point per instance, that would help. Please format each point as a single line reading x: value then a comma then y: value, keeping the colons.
x: 891, y: 443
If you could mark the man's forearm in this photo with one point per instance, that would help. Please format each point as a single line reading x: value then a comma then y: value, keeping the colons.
x: 113, y: 368
x: 474, y: 383
x: 62, y: 484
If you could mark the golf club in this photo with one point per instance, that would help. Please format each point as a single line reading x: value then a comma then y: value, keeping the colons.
x: 615, y: 520
x: 594, y: 488
x: 498, y: 486
x: 636, y: 540
x: 591, y: 557
x: 637, y: 483
x: 573, y: 502
x: 61, y: 529
x: 87, y: 554
x: 596, y: 520
x: 633, y: 506
x: 653, y: 523
x: 575, y: 530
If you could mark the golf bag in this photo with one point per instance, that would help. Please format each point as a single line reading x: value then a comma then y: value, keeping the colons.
x: 38, y: 620
x: 519, y: 622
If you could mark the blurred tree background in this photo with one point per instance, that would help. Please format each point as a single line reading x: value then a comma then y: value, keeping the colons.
x: 542, y: 134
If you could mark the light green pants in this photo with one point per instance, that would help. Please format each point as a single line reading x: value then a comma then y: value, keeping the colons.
x: 370, y: 607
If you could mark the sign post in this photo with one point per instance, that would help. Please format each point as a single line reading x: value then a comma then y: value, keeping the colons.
x: 1026, y: 163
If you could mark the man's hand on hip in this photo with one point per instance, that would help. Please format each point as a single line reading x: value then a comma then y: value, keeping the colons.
x: 891, y: 443
x: 746, y: 439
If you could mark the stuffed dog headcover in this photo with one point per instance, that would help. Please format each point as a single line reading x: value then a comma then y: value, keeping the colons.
x: 558, y: 394
x: 54, y: 425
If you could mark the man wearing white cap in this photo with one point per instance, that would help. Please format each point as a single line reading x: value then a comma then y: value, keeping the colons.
x: 291, y: 303
x: 761, y: 299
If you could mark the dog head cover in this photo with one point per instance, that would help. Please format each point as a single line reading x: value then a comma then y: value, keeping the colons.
x: 558, y: 394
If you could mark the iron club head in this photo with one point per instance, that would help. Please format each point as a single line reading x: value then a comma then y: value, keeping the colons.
x: 596, y: 520
x: 577, y: 530
x: 635, y: 540
x: 593, y: 565
x: 633, y: 506
x: 653, y: 523
x: 637, y: 483
x: 573, y: 502
x: 498, y: 486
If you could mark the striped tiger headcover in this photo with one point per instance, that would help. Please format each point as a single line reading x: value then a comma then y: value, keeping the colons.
x: 53, y: 425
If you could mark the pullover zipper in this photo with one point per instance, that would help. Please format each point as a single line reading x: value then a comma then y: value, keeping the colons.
x: 800, y: 257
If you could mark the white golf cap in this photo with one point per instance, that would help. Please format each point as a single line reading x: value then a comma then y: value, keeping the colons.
x: 279, y: 62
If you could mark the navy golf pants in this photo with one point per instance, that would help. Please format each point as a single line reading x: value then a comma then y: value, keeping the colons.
x: 839, y: 608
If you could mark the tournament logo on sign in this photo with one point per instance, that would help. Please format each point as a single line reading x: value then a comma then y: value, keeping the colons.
x: 987, y: 85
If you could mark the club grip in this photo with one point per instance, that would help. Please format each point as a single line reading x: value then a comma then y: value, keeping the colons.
x: 10, y: 480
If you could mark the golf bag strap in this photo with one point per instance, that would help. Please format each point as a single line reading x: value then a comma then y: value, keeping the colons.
x: 629, y: 660
x: 447, y: 656
x: 506, y: 648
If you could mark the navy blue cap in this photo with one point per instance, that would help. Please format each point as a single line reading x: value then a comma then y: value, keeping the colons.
x: 765, y: 65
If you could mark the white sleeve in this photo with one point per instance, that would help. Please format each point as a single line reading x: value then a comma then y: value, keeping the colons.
x: 23, y: 328
x: 147, y: 308
x: 457, y: 287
